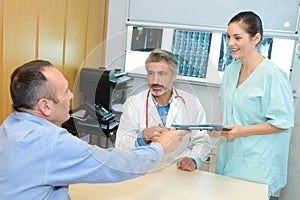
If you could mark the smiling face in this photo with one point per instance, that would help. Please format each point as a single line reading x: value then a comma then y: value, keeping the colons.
x: 240, y: 42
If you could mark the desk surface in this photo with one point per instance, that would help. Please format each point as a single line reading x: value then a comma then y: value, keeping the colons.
x: 168, y: 182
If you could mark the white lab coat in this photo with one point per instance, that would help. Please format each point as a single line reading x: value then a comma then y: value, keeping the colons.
x: 196, y: 145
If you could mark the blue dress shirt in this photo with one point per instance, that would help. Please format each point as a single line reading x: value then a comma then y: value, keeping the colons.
x: 39, y: 160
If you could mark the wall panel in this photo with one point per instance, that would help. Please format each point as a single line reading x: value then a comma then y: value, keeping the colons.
x: 52, y: 17
x: 95, y: 33
x: 76, y: 30
x: 94, y: 43
x: 61, y: 31
x: 19, y: 37
x: 2, y: 103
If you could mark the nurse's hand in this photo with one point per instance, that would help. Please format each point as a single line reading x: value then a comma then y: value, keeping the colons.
x: 153, y: 133
x: 235, y: 131
x: 171, y: 139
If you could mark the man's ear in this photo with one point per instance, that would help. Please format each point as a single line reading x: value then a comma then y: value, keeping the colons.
x: 174, y: 75
x: 44, y: 107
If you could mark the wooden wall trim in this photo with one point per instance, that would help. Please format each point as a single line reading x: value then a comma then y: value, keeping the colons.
x: 2, y: 86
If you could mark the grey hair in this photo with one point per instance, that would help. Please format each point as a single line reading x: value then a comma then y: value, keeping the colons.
x: 158, y: 55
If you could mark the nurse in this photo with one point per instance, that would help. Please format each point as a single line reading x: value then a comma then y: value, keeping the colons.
x: 148, y: 113
x: 258, y: 106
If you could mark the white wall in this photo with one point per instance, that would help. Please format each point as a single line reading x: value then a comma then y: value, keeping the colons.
x: 291, y: 191
x: 116, y: 34
x: 214, y: 14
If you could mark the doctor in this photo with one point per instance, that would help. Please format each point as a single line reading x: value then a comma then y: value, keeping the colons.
x: 148, y: 113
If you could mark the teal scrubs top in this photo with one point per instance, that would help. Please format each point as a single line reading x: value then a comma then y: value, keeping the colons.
x: 265, y: 96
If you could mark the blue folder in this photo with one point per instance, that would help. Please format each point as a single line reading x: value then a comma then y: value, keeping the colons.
x: 202, y: 127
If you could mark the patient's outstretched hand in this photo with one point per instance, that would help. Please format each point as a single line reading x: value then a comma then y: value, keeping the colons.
x: 170, y: 139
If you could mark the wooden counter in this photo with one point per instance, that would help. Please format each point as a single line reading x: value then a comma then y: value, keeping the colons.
x: 168, y: 182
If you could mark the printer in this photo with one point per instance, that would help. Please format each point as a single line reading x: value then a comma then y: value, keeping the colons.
x: 99, y: 88
x: 99, y: 85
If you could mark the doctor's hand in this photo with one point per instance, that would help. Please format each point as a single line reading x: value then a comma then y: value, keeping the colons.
x: 214, y: 133
x: 153, y: 133
x: 186, y: 164
x: 170, y: 139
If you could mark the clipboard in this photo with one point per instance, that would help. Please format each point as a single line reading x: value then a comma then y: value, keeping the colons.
x: 201, y: 127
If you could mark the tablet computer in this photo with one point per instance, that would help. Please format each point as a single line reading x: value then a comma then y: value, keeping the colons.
x: 201, y: 127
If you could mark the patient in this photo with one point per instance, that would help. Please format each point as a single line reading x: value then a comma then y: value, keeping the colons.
x: 39, y: 159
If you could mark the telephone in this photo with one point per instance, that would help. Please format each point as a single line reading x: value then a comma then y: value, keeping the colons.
x: 91, y: 119
x: 102, y: 113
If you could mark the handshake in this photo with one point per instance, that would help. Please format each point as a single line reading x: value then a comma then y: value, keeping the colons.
x: 168, y: 138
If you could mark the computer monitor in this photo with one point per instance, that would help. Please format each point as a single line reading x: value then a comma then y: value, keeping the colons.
x: 95, y: 86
